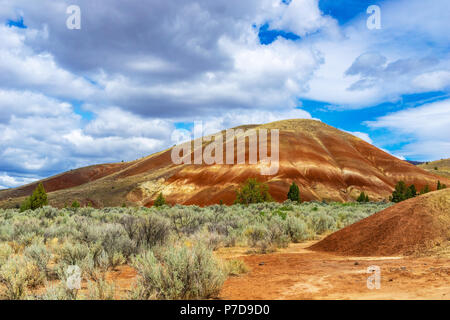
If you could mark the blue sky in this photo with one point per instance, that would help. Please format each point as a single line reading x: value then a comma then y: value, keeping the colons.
x: 346, y: 10
x: 117, y: 89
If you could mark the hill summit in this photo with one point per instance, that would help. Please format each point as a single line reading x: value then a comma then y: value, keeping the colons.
x: 326, y: 163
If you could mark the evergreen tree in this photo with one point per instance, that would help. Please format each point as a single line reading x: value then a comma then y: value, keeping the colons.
x: 402, y: 192
x: 160, y: 201
x: 399, y: 193
x: 294, y: 192
x: 363, y: 197
x: 75, y: 204
x: 413, y: 190
x: 424, y: 190
x: 440, y: 186
x: 408, y: 194
x: 253, y: 192
x: 37, y: 200
x: 26, y: 204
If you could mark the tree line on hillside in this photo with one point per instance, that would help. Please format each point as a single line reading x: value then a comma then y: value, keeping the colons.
x: 39, y: 199
x: 252, y: 191
x: 403, y: 192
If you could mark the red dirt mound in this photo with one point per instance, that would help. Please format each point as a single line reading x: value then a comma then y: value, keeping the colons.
x: 417, y: 226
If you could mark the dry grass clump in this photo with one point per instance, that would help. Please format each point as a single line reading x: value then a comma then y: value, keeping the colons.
x: 180, y: 273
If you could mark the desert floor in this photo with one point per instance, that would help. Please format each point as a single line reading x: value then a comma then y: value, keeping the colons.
x: 298, y: 273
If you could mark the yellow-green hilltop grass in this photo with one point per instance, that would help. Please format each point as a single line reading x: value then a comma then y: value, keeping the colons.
x: 439, y: 167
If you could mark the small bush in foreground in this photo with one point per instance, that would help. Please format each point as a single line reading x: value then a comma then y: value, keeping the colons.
x: 5, y: 252
x: 236, y: 267
x: 73, y: 254
x: 16, y: 275
x: 101, y: 290
x: 182, y: 273
x: 40, y: 255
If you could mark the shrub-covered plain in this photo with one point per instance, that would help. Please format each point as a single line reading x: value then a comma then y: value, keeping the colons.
x: 171, y: 248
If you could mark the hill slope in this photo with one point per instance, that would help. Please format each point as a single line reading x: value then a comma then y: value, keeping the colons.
x: 326, y: 163
x: 416, y: 226
x: 440, y: 167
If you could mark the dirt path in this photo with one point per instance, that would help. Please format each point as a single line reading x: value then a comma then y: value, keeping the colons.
x: 298, y: 273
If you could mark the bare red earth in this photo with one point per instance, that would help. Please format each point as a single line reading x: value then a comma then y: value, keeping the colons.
x: 418, y: 226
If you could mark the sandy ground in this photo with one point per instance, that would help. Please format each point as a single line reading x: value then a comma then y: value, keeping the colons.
x: 298, y: 273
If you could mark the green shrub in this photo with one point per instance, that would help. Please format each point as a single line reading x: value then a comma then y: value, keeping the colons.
x: 54, y: 292
x: 101, y: 290
x: 182, y: 273
x: 363, y: 198
x: 5, y: 252
x: 160, y: 201
x: 256, y: 233
x: 440, y: 186
x: 278, y: 236
x: 402, y: 192
x: 37, y: 200
x: 297, y: 229
x: 210, y: 240
x: 75, y: 205
x: 16, y: 275
x: 116, y: 242
x: 153, y: 230
x: 40, y: 255
x: 424, y: 190
x: 96, y: 264
x: 235, y: 267
x: 253, y: 192
x: 322, y: 223
x: 72, y: 254
x: 294, y: 193
x: 185, y: 221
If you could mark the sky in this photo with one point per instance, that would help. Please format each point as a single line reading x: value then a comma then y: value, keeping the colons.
x: 119, y: 87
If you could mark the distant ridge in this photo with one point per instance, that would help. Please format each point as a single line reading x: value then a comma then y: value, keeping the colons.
x: 415, y: 162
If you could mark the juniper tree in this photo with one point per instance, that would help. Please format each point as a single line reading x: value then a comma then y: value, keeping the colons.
x: 160, y: 201
x: 37, y: 200
x: 424, y: 190
x: 75, y: 204
x: 399, y: 193
x: 294, y: 192
x: 253, y: 192
x: 413, y: 190
x: 363, y: 198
